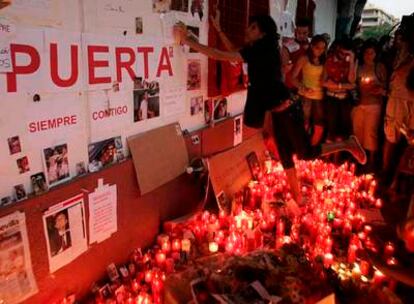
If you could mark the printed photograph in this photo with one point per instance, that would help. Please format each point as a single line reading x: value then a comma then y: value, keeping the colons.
x: 179, y: 5
x: 139, y: 25
x: 194, y: 75
x: 208, y: 111
x: 237, y: 126
x: 115, y: 86
x: 197, y: 8
x: 223, y: 202
x: 7, y: 200
x: 56, y: 164
x: 254, y: 165
x: 58, y: 232
x: 139, y: 83
x: 161, y: 6
x: 23, y: 164
x: 220, y: 108
x: 196, y: 105
x: 238, y: 134
x: 104, y: 153
x: 146, y: 100
x: 14, y: 145
x: 80, y: 168
x: 20, y: 192
x: 112, y: 272
x: 38, y: 181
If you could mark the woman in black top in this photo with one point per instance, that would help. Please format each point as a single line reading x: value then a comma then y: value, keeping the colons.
x: 267, y: 92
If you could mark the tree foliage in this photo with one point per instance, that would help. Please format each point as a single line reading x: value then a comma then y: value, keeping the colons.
x: 376, y: 32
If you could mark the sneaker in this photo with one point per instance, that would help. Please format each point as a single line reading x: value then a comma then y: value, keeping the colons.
x: 356, y: 150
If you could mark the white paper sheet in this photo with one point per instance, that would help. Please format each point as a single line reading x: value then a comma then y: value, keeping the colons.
x: 102, y: 213
x: 65, y: 232
x: 7, y: 32
x: 116, y: 12
x: 174, y: 99
x: 17, y: 281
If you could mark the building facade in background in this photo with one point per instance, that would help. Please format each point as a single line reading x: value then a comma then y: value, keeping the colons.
x: 374, y: 16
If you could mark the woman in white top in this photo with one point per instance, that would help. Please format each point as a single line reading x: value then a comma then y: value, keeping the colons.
x: 366, y: 116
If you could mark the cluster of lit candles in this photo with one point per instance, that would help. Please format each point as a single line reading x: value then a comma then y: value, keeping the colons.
x: 330, y: 223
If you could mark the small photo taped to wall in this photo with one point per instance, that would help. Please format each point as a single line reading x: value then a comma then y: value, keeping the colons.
x: 14, y: 145
x: 220, y: 109
x: 39, y: 184
x: 139, y: 25
x: 23, y: 164
x: 20, y: 192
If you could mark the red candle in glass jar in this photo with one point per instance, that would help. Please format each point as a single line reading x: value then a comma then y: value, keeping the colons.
x: 230, y: 247
x: 378, y: 203
x: 135, y: 286
x: 392, y: 261
x: 365, y: 267
x: 148, y: 276
x: 352, y: 253
x: 166, y: 246
x: 389, y: 249
x: 328, y: 260
x: 328, y: 245
x: 176, y: 245
x: 347, y: 229
x: 264, y: 226
x: 280, y: 228
x: 169, y: 265
x: 160, y: 258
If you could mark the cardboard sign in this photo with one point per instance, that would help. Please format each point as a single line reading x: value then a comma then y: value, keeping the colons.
x: 159, y: 156
x: 229, y: 171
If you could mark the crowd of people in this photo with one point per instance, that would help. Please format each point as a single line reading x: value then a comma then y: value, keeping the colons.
x: 323, y: 98
x: 353, y: 87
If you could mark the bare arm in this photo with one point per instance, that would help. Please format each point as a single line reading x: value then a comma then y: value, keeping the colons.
x: 212, y: 52
x: 227, y: 43
x: 352, y: 69
x: 297, y: 68
x: 215, y: 22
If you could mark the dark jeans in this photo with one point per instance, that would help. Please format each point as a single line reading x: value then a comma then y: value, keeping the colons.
x: 338, y: 117
x: 291, y: 136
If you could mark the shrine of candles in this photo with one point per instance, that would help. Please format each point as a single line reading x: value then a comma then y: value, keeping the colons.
x: 329, y: 228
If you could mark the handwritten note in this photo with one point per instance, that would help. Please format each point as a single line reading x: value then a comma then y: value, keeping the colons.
x: 116, y: 12
x: 7, y: 31
x: 174, y: 100
x: 5, y: 59
x: 102, y: 213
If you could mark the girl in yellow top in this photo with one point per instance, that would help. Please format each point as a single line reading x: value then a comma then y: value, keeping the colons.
x: 307, y: 76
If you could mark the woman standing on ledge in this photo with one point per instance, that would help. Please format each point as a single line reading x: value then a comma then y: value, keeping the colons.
x: 267, y: 92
